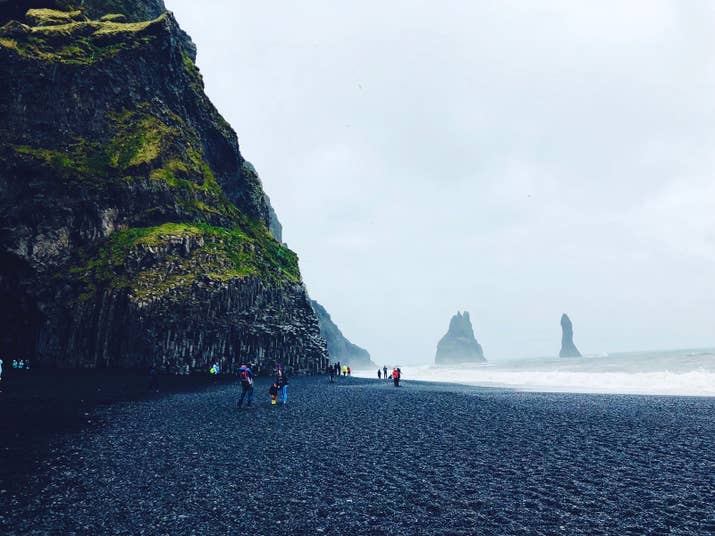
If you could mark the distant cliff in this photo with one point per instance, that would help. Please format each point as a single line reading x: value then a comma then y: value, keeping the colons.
x: 459, y: 344
x: 132, y: 230
x: 339, y: 348
x: 568, y: 348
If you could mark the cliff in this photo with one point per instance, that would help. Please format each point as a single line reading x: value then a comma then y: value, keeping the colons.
x: 132, y: 230
x: 131, y: 10
x: 340, y: 348
x: 568, y: 348
x: 459, y: 344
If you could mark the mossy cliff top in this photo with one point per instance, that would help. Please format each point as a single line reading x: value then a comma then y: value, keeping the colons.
x: 132, y: 10
x: 64, y: 37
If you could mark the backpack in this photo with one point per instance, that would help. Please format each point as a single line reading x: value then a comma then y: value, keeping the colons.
x: 246, y: 377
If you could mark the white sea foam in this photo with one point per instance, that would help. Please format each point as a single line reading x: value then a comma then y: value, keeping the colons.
x: 657, y: 373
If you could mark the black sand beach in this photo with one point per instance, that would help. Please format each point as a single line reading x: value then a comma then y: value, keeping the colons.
x: 361, y: 457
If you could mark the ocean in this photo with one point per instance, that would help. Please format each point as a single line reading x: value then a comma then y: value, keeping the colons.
x: 672, y: 372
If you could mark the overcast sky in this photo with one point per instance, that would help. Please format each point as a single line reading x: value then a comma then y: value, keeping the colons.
x: 516, y: 159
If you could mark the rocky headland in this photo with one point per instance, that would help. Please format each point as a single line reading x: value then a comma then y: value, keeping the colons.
x: 459, y: 345
x: 133, y: 232
x: 339, y: 347
x: 568, y: 348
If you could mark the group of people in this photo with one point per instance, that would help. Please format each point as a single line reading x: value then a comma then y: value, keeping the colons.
x: 278, y: 390
x: 395, y: 375
x: 337, y: 369
x: 22, y: 364
x: 278, y: 387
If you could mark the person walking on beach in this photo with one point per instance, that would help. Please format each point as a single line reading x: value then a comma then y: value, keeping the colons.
x: 396, y: 377
x: 345, y: 370
x: 282, y: 383
x: 384, y: 371
x: 331, y: 372
x: 245, y: 375
x: 348, y: 370
x: 273, y: 391
x: 379, y: 374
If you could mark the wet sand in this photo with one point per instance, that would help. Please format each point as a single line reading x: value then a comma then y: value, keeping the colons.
x: 361, y: 457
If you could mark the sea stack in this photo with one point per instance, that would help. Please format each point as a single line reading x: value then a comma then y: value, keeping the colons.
x: 568, y: 348
x: 459, y: 344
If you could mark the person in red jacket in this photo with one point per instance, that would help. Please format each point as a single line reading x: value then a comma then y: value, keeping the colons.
x: 396, y: 376
x: 245, y: 375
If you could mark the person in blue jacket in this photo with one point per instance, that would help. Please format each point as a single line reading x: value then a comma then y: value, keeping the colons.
x: 282, y: 383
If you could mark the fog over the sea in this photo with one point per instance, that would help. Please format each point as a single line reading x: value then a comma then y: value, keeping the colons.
x: 515, y: 159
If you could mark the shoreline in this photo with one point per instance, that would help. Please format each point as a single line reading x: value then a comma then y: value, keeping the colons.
x: 699, y: 382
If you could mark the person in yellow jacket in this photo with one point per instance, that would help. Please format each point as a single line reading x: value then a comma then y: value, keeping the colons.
x: 345, y: 370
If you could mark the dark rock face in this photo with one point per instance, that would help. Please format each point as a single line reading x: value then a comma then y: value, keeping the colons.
x: 131, y: 231
x: 340, y: 348
x: 568, y: 348
x: 274, y: 226
x: 459, y: 344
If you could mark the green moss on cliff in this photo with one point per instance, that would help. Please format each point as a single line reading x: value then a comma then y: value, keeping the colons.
x: 114, y: 17
x: 174, y: 256
x: 139, y: 138
x: 50, y: 17
x: 196, y: 81
x: 165, y: 151
x: 133, y: 10
x: 73, y: 42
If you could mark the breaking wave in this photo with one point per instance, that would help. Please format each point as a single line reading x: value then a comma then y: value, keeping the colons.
x: 656, y: 373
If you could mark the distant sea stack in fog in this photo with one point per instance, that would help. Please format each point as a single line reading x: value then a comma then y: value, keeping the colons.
x: 339, y: 348
x: 568, y: 348
x: 459, y: 344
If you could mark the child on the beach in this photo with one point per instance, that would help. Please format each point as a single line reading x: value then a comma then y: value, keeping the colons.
x: 273, y: 391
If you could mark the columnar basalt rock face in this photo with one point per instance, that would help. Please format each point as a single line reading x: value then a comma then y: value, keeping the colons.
x: 131, y: 231
x: 459, y: 344
x: 339, y: 347
x: 568, y: 348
